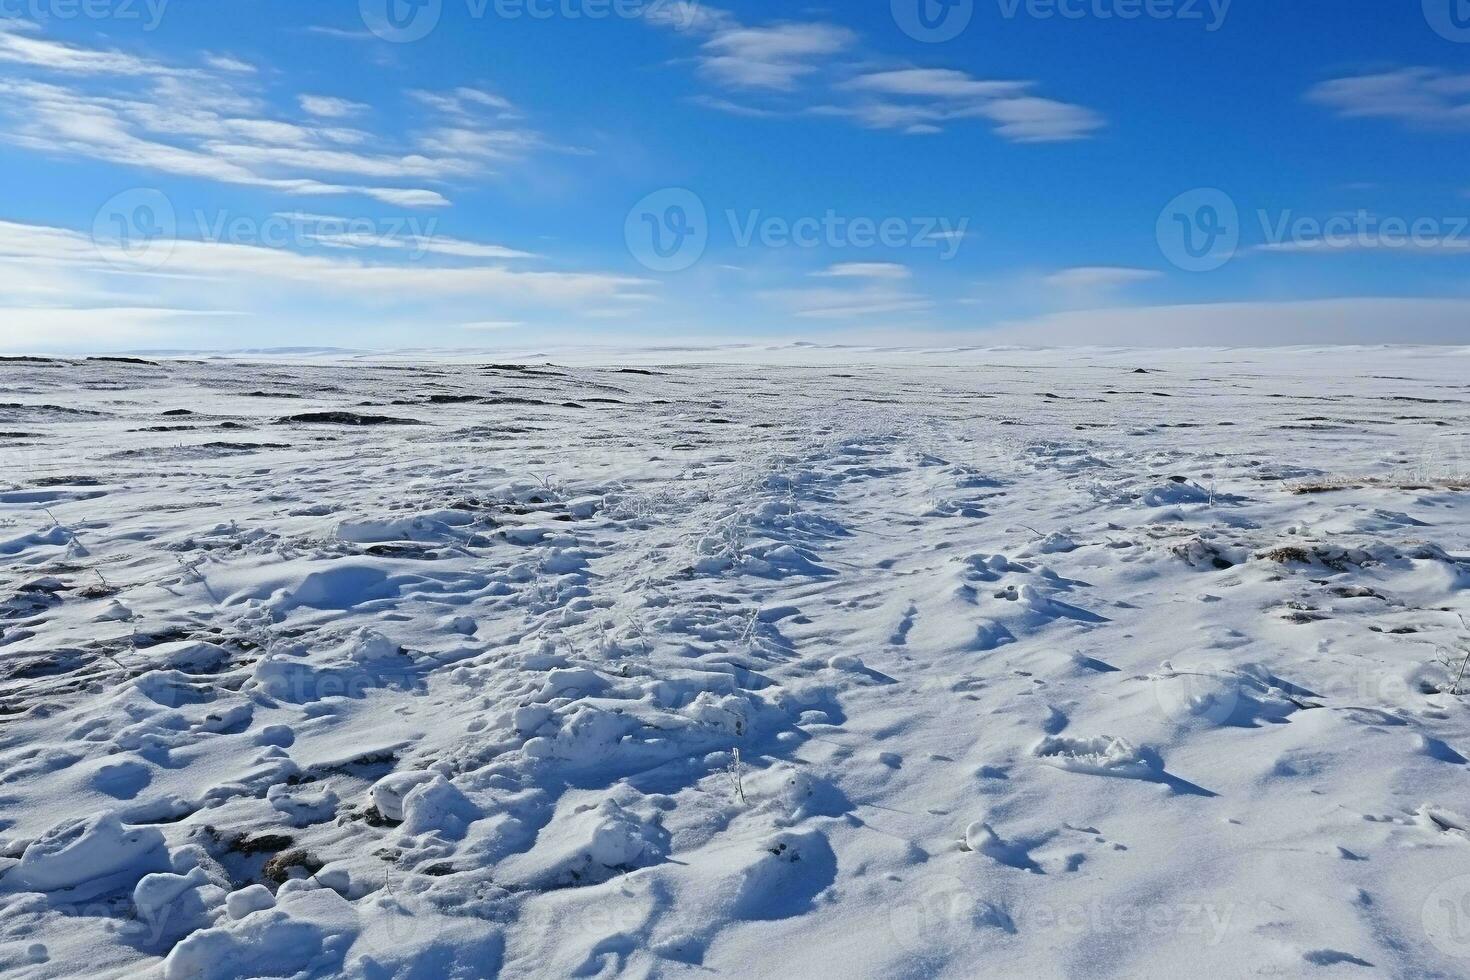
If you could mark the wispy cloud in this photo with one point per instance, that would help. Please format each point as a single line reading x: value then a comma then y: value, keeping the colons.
x: 815, y: 67
x: 869, y: 299
x: 732, y: 107
x: 923, y: 100
x: 865, y: 270
x: 201, y: 122
x: 334, y: 232
x: 1328, y: 322
x: 19, y: 46
x: 329, y: 107
x: 204, y: 259
x: 1097, y: 277
x: 937, y: 83
x: 342, y: 34
x: 94, y: 328
x: 464, y: 101
x: 771, y: 57
x: 442, y: 279
x: 1373, y: 242
x: 1426, y: 97
x: 492, y: 325
x: 224, y: 62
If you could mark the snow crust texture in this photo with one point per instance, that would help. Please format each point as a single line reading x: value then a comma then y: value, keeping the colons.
x: 1107, y: 663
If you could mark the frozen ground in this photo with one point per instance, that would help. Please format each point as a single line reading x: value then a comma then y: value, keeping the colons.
x: 948, y: 664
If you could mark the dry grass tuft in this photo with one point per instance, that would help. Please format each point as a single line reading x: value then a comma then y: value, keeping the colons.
x: 1331, y: 484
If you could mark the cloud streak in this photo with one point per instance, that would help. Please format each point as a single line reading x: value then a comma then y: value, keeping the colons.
x: 814, y: 68
x: 203, y: 122
x: 1420, y: 97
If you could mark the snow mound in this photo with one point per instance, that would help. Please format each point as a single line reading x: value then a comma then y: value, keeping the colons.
x: 1100, y: 756
x: 87, y: 857
x: 308, y: 931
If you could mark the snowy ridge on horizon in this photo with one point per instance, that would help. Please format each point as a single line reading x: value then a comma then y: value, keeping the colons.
x: 611, y: 353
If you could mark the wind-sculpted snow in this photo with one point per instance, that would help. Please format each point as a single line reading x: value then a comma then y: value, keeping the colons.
x: 1006, y: 663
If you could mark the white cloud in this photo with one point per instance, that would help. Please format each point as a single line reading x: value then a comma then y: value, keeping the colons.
x: 1248, y: 324
x: 93, y: 328
x: 463, y: 101
x: 329, y: 107
x: 875, y: 299
x: 1428, y: 97
x: 102, y: 295
x: 492, y: 325
x: 205, y: 123
x: 731, y: 107
x: 942, y: 83
x: 249, y: 263
x: 224, y: 62
x: 1441, y: 242
x: 865, y: 270
x: 774, y: 60
x: 17, y: 46
x: 56, y: 119
x: 689, y: 16
x: 329, y: 233
x: 1098, y: 277
x: 332, y: 160
x: 1036, y: 120
x: 340, y: 34
x: 922, y: 100
x: 771, y: 57
x: 461, y: 142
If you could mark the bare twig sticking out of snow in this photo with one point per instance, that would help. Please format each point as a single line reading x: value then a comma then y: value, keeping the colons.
x: 77, y: 540
x: 737, y: 777
x: 1455, y: 687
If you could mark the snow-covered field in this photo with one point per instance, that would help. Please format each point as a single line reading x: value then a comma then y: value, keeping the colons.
x: 936, y: 664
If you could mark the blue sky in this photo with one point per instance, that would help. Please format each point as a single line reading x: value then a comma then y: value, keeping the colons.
x: 391, y: 173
